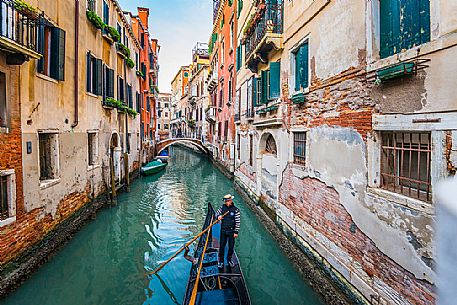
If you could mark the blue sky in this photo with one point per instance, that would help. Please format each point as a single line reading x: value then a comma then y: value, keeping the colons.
x: 178, y: 24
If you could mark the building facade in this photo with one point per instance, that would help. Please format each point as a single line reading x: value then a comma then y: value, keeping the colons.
x: 222, y: 82
x: 179, y: 102
x: 344, y: 140
x: 69, y: 117
x: 164, y: 114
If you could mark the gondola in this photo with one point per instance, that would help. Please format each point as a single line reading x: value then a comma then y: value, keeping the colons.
x: 209, y: 285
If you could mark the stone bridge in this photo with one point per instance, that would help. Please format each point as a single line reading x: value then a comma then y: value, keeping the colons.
x: 168, y: 142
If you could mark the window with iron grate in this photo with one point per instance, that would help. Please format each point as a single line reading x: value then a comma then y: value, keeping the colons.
x: 406, y: 164
x: 300, y: 148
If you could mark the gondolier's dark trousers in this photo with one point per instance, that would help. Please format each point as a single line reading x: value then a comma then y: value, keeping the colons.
x: 226, y: 236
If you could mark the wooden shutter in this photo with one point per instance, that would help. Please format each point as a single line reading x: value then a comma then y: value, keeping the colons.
x: 110, y: 83
x: 98, y: 77
x: 41, y: 25
x: 88, y: 72
x: 275, y: 75
x: 255, y: 96
x: 264, y: 87
x: 57, y: 54
x: 301, y: 68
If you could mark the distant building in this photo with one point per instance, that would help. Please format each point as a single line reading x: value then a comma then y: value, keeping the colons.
x: 163, y: 116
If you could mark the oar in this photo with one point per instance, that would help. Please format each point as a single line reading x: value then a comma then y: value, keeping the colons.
x: 185, y: 246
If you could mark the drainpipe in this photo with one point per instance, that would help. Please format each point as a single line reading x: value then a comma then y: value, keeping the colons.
x: 76, y: 80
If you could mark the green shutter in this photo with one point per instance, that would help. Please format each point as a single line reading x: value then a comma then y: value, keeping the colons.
x: 88, y: 72
x: 301, y: 67
x: 264, y: 88
x: 98, y: 77
x: 275, y: 81
x: 240, y: 7
x: 40, y: 66
x: 57, y: 54
x: 254, y: 91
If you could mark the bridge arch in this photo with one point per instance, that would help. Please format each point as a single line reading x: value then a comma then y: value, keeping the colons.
x: 160, y: 146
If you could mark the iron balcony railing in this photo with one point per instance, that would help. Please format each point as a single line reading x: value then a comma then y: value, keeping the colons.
x: 19, y: 25
x: 250, y: 113
x: 270, y: 20
x: 91, y: 5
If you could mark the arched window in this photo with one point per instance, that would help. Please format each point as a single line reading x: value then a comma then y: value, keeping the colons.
x: 270, y: 145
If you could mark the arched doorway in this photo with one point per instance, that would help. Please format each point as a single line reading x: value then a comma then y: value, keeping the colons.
x: 268, y: 156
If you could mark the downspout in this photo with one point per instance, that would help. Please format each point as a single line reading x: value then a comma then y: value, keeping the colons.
x: 76, y: 76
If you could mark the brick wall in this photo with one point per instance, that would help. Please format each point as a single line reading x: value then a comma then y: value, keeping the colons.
x: 30, y: 228
x: 313, y: 202
x: 11, y: 142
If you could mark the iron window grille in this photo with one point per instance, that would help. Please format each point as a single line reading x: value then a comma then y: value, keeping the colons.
x: 406, y: 162
x: 270, y: 145
x: 300, y: 148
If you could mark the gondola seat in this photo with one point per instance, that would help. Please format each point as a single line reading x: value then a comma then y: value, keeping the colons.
x: 218, y: 297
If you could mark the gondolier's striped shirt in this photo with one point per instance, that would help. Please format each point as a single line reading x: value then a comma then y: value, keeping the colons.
x: 232, y: 221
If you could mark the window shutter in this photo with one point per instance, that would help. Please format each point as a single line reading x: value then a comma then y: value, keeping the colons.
x: 264, y: 88
x: 254, y: 91
x: 390, y: 27
x: 57, y: 53
x: 110, y: 83
x: 301, y: 68
x: 240, y: 7
x: 40, y: 66
x: 98, y: 77
x: 275, y: 75
x: 88, y: 72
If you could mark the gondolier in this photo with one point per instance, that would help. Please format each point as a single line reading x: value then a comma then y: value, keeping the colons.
x: 230, y: 228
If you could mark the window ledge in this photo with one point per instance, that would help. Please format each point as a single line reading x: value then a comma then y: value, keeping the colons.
x: 441, y: 43
x: 91, y: 94
x: 44, y: 184
x: 7, y: 221
x: 411, y: 203
x: 93, y: 167
x: 46, y: 78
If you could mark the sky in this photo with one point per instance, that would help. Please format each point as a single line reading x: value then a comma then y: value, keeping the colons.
x: 178, y: 25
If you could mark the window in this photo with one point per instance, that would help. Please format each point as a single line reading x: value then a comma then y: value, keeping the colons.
x: 166, y: 105
x: 219, y: 130
x: 226, y: 130
x: 49, y: 156
x: 270, y: 145
x: 230, y: 90
x: 51, y: 44
x: 300, y: 57
x: 249, y: 95
x: 138, y: 102
x: 300, y: 148
x: 108, y: 88
x: 92, y: 148
x: 405, y: 163
x: 4, y: 198
x: 120, y: 89
x: 239, y: 56
x: 232, y: 34
x: 158, y: 126
x: 165, y: 126
x: 91, y: 5
x: 238, y: 146
x: 94, y: 74
x: 106, y: 13
x: 221, y: 96
x: 404, y: 24
x: 137, y: 59
x: 129, y: 96
x: 251, y: 150
x: 3, y: 107
x: 166, y: 114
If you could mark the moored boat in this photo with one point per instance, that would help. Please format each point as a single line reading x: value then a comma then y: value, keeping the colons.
x: 164, y: 155
x: 153, y: 167
x: 209, y: 285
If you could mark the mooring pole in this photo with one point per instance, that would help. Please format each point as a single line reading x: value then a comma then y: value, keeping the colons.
x: 113, y: 179
x: 127, y: 174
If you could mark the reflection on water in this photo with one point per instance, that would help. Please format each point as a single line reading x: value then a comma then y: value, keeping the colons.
x: 106, y: 261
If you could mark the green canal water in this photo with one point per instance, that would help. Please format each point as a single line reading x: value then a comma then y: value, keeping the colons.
x: 105, y: 262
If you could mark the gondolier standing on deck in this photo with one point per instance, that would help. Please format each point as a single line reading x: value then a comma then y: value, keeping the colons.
x: 230, y: 228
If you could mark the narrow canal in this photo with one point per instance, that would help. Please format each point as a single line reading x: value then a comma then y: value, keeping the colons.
x: 105, y: 262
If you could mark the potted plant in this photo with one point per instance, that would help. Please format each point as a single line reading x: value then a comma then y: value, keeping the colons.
x: 113, y: 33
x: 26, y: 9
x: 95, y: 19
x: 130, y: 63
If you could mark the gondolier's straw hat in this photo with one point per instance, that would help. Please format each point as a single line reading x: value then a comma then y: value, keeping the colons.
x: 228, y: 197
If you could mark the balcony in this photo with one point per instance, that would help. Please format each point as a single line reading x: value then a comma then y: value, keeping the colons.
x: 250, y: 115
x: 212, y: 80
x: 19, y: 32
x: 211, y: 114
x: 264, y: 35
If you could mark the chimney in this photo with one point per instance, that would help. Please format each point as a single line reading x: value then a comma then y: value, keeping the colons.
x: 143, y: 13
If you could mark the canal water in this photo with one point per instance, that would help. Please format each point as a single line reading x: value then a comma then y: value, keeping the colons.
x: 105, y: 262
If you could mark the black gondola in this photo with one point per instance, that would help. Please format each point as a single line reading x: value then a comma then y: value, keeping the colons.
x: 215, y: 286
